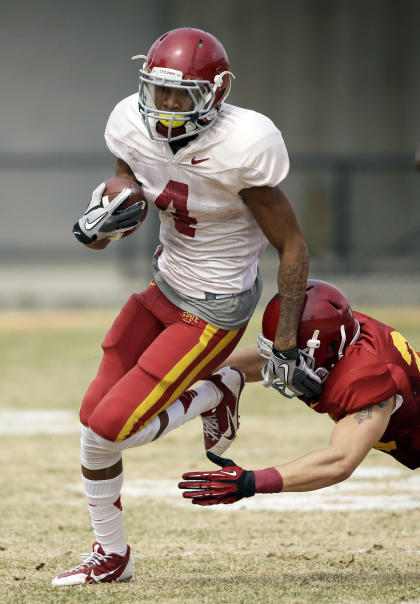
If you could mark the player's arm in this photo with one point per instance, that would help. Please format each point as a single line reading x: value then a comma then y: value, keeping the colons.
x: 350, y: 442
x: 123, y: 170
x: 276, y: 218
x: 248, y: 360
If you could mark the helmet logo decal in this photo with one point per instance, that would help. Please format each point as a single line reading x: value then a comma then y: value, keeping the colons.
x: 166, y: 73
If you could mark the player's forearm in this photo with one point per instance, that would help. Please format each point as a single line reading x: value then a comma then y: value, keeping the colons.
x: 316, y: 470
x: 248, y: 360
x: 292, y: 279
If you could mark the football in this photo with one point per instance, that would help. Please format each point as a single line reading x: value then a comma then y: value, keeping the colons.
x: 114, y: 186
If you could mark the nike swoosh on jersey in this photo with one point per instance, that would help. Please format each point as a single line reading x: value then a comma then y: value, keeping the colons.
x: 198, y: 161
x: 90, y: 225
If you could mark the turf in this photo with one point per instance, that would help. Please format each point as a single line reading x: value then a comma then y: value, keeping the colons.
x: 181, y: 553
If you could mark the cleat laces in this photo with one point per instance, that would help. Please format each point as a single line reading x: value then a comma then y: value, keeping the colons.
x: 91, y: 558
x: 211, y: 426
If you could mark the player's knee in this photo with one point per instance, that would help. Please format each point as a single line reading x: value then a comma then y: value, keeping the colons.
x: 110, y: 445
x: 93, y: 455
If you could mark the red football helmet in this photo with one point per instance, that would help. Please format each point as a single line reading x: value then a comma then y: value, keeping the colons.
x: 193, y: 62
x: 326, y: 327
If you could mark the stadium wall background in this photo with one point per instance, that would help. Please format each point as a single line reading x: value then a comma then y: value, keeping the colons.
x: 340, y: 78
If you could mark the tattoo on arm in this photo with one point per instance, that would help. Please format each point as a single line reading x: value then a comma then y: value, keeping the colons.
x: 384, y: 404
x: 292, y: 279
x: 367, y: 413
x: 363, y: 414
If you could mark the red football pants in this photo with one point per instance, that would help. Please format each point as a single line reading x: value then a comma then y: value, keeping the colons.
x: 153, y: 352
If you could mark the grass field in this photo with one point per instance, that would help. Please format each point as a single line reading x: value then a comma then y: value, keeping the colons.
x: 337, y: 546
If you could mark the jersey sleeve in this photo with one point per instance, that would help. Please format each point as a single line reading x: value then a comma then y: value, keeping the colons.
x: 111, y: 132
x: 358, y: 384
x: 118, y: 128
x: 266, y: 163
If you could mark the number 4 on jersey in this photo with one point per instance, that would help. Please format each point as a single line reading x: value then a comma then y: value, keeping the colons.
x: 177, y: 194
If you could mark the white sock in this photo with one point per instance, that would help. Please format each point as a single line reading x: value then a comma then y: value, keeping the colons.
x: 103, y: 497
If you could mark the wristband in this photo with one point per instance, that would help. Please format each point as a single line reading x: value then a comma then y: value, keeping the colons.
x: 268, y: 481
x: 286, y: 355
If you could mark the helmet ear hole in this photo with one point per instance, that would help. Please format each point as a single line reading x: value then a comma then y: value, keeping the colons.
x: 332, y: 347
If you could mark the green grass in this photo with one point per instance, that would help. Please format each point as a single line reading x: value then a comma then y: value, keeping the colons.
x: 181, y: 553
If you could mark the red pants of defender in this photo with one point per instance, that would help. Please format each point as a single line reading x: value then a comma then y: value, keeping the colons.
x: 153, y: 352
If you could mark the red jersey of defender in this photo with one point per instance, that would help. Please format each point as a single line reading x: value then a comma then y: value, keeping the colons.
x: 379, y: 365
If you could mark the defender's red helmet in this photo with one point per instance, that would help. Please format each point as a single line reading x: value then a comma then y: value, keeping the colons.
x: 195, y: 62
x: 326, y: 327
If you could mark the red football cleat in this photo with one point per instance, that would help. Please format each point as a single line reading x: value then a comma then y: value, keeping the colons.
x: 221, y: 424
x: 98, y: 567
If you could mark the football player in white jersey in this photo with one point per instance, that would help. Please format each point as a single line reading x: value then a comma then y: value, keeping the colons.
x: 213, y: 171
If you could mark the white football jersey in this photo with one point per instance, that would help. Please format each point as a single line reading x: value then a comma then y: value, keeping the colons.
x: 211, y: 241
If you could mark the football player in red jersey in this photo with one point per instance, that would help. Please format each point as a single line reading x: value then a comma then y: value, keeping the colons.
x: 371, y: 389
x: 213, y: 171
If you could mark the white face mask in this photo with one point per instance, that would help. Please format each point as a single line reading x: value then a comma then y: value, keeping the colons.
x: 199, y: 95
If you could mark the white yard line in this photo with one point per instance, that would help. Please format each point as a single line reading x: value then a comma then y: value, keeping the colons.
x: 42, y: 421
x: 349, y: 495
x: 369, y: 488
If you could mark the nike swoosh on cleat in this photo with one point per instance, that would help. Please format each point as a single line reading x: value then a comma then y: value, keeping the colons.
x: 233, y: 425
x: 90, y: 225
x: 98, y: 578
x: 198, y: 161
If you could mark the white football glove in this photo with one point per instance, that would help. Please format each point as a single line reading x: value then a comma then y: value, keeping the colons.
x: 290, y: 368
x: 100, y: 222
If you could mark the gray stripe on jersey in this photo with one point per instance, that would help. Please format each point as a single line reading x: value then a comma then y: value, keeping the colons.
x: 226, y: 313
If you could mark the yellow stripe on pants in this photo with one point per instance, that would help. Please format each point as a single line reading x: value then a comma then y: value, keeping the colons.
x: 173, y: 375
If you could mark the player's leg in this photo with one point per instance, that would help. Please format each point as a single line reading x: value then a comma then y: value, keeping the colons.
x: 216, y: 400
x: 102, y: 477
x: 102, y: 471
x: 193, y: 351
x: 180, y: 356
x: 131, y: 333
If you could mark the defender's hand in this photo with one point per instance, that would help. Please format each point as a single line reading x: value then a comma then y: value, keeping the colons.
x: 289, y: 367
x: 227, y: 485
x: 100, y: 222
